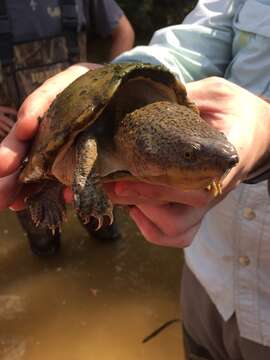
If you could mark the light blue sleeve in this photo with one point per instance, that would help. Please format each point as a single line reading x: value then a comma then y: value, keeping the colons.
x: 198, y: 48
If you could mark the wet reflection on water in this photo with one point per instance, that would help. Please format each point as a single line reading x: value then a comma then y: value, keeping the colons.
x: 94, y: 301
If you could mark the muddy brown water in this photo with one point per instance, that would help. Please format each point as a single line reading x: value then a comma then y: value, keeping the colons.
x: 94, y: 301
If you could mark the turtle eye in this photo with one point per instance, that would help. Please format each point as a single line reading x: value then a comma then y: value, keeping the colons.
x: 189, y: 153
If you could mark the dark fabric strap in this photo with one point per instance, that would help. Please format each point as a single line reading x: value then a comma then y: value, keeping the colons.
x: 69, y: 25
x: 91, y: 23
x: 260, y: 173
x: 70, y: 28
x: 265, y: 175
x: 6, y: 47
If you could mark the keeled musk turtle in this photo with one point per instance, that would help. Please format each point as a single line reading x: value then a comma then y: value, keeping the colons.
x: 121, y: 121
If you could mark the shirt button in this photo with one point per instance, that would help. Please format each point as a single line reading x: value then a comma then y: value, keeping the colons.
x: 249, y: 214
x: 244, y: 260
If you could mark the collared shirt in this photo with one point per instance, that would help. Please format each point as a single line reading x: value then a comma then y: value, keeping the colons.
x: 230, y: 254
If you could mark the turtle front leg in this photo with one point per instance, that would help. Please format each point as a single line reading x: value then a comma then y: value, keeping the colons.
x: 89, y: 196
x: 47, y: 205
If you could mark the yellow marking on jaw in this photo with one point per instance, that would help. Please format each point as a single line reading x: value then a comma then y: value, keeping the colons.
x: 215, y: 188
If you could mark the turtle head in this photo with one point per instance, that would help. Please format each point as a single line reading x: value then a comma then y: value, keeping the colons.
x: 168, y: 143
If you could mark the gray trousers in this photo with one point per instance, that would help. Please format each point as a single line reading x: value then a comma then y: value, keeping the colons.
x: 206, y: 334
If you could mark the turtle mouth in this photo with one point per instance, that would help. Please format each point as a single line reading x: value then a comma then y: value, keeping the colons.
x: 187, y: 179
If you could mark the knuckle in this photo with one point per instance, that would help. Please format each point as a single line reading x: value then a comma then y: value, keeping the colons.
x: 219, y: 84
x: 26, y: 108
x: 217, y: 81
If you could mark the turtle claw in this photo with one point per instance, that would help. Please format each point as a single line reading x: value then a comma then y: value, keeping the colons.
x: 99, y: 220
x: 111, y: 220
x: 35, y: 213
x: 110, y: 216
x: 93, y: 204
x: 86, y: 219
x: 35, y: 221
x: 52, y: 230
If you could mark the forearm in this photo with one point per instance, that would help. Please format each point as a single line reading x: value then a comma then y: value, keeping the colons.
x: 122, y: 37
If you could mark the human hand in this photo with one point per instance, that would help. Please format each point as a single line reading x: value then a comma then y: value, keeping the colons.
x: 14, y: 147
x: 242, y: 116
x: 165, y: 215
x: 7, y: 120
x: 168, y: 216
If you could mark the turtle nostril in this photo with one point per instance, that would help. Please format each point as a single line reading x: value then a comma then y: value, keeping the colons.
x: 233, y: 160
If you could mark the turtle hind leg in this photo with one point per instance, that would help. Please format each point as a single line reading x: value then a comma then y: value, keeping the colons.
x: 89, y: 197
x: 47, y: 206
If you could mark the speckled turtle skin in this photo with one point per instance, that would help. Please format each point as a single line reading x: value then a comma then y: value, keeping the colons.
x: 128, y: 121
